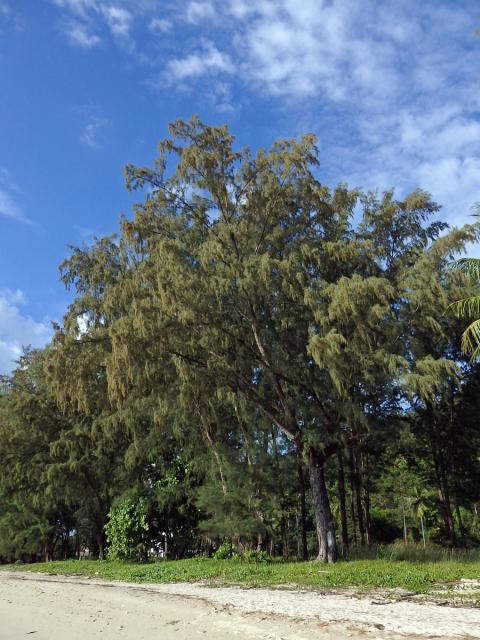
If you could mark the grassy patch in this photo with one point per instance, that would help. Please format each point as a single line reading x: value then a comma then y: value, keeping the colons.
x: 378, y: 574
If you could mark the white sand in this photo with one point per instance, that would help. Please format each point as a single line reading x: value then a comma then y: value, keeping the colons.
x: 70, y: 608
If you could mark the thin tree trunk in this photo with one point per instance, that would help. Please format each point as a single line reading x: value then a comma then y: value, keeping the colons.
x: 366, y: 497
x: 216, y: 455
x: 48, y: 547
x: 442, y: 483
x: 367, y: 515
x: 445, y: 494
x: 101, y: 545
x: 405, y: 538
x: 342, y: 502
x: 357, y: 492
x: 283, y: 530
x: 321, y: 503
x: 352, y: 510
x: 303, y: 508
x: 463, y: 535
x: 423, y: 532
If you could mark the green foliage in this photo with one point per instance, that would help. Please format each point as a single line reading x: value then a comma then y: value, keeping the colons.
x: 469, y: 307
x: 127, y: 530
x: 420, y: 577
x: 249, y: 330
x: 226, y: 551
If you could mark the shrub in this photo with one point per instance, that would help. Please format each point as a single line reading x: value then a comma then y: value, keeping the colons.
x: 226, y: 551
x: 127, y: 530
x: 249, y: 555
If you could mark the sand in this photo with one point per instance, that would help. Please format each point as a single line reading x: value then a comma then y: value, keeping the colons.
x: 50, y: 607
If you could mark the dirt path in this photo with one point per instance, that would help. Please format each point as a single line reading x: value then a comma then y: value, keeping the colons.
x: 69, y: 608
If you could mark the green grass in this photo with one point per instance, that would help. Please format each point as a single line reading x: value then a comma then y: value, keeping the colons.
x: 419, y: 577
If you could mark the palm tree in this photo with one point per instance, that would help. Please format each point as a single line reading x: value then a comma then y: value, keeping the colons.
x: 419, y: 508
x: 470, y: 307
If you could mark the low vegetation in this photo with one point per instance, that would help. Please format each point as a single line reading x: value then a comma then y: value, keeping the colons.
x: 372, y: 573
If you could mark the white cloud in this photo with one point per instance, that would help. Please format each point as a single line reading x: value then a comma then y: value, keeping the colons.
x: 206, y: 59
x: 93, y: 132
x: 9, y: 206
x: 391, y: 88
x: 17, y: 329
x: 79, y: 7
x: 119, y: 22
x: 198, y: 11
x: 10, y: 18
x: 81, y: 34
x: 160, y: 25
x: 87, y: 22
x: 5, y: 10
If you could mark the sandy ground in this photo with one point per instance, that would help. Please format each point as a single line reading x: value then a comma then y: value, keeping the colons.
x: 69, y: 608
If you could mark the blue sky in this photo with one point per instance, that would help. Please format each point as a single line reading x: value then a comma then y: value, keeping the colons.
x: 392, y: 89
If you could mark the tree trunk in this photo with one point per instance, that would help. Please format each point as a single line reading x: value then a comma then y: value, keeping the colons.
x: 342, y: 502
x: 284, y: 534
x: 48, y: 547
x: 442, y: 482
x: 303, y: 509
x: 423, y: 532
x: 99, y: 538
x: 366, y: 496
x: 352, y: 510
x: 463, y: 534
x: 321, y: 504
x: 444, y: 494
x: 357, y: 492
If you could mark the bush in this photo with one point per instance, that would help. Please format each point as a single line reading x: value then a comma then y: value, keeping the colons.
x: 127, y: 530
x: 226, y: 551
x: 249, y: 555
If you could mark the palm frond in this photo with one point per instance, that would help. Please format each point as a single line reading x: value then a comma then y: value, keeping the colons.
x: 466, y: 307
x: 469, y: 266
x: 471, y: 340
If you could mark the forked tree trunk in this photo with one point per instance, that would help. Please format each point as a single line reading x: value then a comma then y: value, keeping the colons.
x: 321, y: 505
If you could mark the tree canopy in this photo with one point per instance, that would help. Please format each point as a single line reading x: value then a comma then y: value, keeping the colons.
x: 249, y: 331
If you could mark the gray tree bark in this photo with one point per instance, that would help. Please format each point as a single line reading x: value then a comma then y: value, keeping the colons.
x: 323, y: 515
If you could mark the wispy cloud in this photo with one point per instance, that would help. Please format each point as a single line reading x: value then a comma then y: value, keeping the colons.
x: 10, y: 18
x: 87, y: 23
x: 197, y: 11
x: 94, y: 132
x: 206, y: 59
x: 9, y: 205
x: 160, y: 25
x: 18, y: 329
x: 80, y: 34
x: 390, y: 88
x: 119, y: 21
x: 5, y: 10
